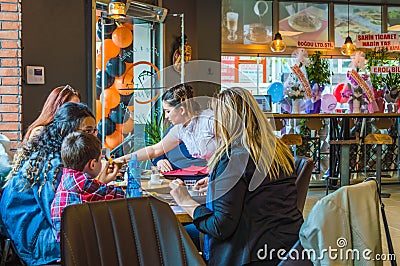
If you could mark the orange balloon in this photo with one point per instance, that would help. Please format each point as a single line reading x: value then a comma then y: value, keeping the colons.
x: 106, y: 145
x: 114, y: 139
x: 124, y: 84
x: 122, y: 36
x: 111, y: 50
x: 128, y: 126
x: 98, y: 111
x: 111, y: 98
x: 118, y: 127
x: 128, y: 25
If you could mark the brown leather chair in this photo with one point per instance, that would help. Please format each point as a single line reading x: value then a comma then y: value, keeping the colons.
x: 137, y: 231
x: 304, y: 167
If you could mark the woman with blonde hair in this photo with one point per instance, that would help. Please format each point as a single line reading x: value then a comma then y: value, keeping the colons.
x: 251, y: 193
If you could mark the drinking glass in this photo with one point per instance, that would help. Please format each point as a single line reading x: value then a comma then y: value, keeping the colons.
x: 232, y: 21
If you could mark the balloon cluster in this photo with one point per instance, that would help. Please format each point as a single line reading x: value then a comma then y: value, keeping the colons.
x: 117, y: 72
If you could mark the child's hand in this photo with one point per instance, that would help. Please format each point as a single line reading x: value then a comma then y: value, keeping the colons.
x: 109, y: 173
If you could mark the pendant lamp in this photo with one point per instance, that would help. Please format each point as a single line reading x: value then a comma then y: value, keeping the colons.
x: 117, y: 9
x: 348, y: 47
x: 278, y: 45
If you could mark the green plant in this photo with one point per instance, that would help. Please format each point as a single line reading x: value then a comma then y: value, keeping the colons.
x: 153, y: 128
x: 376, y: 57
x: 318, y: 70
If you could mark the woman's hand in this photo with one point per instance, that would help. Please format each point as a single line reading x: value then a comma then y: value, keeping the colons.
x: 164, y: 165
x: 182, y: 197
x: 109, y: 172
x: 179, y: 192
x: 201, y: 185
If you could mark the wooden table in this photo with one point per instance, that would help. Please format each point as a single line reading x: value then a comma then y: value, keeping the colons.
x: 161, y: 192
x: 340, y: 134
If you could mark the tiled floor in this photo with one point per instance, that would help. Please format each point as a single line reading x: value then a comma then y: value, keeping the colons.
x: 392, y: 209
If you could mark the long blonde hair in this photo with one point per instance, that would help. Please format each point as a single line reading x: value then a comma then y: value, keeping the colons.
x: 239, y: 118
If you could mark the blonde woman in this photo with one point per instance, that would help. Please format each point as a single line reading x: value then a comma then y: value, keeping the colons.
x: 251, y: 195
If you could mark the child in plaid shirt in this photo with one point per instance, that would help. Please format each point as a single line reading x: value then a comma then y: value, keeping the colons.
x: 81, y: 156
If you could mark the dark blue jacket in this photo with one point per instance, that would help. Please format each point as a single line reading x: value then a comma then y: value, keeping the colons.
x: 239, y: 221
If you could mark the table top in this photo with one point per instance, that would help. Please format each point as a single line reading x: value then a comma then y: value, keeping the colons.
x: 335, y: 115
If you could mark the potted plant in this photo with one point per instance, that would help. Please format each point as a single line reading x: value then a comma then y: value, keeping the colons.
x: 319, y: 75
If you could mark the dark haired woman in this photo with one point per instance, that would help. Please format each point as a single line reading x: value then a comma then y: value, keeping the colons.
x: 27, y: 196
x: 56, y: 98
x: 193, y: 126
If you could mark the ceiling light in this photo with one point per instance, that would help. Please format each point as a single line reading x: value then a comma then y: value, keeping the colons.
x: 278, y: 45
x: 348, y: 47
x: 117, y: 9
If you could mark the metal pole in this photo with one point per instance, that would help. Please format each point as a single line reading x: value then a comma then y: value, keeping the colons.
x: 182, y: 48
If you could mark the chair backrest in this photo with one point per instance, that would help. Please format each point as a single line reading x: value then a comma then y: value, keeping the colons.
x: 137, y: 231
x: 304, y: 167
x: 346, y: 220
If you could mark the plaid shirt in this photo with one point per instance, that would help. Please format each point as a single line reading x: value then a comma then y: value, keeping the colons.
x: 78, y: 187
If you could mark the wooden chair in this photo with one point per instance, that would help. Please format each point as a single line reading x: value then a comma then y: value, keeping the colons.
x: 344, y: 160
x: 136, y: 231
x: 379, y: 140
x: 304, y: 167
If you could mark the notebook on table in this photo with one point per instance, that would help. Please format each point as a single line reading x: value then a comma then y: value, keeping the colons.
x: 192, y: 172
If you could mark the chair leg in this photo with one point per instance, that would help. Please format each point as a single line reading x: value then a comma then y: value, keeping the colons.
x: 379, y: 170
x: 6, y: 249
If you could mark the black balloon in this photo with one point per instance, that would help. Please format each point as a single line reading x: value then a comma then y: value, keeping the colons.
x: 109, y: 82
x: 115, y: 67
x: 109, y: 126
x: 126, y: 54
x: 127, y: 99
x: 109, y: 28
x: 119, y: 114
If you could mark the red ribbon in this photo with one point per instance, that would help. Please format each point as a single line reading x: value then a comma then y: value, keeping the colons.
x: 303, y: 80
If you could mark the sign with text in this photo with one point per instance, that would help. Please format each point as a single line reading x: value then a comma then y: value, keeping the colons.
x: 385, y: 69
x: 393, y: 48
x: 377, y: 40
x: 315, y: 44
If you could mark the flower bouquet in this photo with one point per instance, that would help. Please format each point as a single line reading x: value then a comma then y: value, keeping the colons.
x: 294, y: 92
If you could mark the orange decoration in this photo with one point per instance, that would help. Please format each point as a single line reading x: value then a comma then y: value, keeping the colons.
x: 111, y: 50
x: 128, y: 126
x: 128, y: 25
x: 114, y: 139
x: 98, y: 111
x: 118, y: 127
x: 124, y: 84
x: 130, y: 108
x: 111, y: 98
x: 122, y: 36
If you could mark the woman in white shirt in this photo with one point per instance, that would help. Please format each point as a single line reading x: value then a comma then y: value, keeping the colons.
x: 193, y: 126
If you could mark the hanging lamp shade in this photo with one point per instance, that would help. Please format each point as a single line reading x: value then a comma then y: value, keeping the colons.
x: 117, y: 9
x: 278, y: 45
x: 348, y: 48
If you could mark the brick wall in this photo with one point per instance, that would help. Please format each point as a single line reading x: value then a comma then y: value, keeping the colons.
x: 10, y: 70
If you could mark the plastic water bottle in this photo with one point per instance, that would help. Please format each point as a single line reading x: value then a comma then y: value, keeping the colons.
x: 134, y: 188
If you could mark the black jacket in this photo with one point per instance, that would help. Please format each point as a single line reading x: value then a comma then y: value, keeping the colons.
x: 241, y: 222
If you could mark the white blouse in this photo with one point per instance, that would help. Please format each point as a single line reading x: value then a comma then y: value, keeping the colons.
x: 198, y: 135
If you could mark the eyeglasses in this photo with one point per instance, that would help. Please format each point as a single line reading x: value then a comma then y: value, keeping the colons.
x: 93, y: 131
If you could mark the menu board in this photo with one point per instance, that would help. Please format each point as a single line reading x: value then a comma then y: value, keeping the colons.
x: 247, y: 22
x: 308, y: 23
x: 362, y: 20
